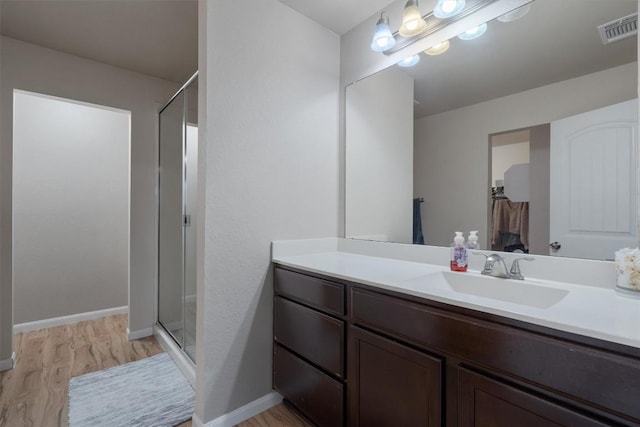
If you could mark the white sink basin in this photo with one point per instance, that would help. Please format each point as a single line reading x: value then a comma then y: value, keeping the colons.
x: 507, y: 290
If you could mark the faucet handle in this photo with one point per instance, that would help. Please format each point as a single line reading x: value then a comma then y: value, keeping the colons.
x: 488, y: 264
x: 515, y: 267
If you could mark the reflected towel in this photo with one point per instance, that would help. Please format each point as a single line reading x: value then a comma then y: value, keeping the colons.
x: 418, y: 238
x: 510, y: 217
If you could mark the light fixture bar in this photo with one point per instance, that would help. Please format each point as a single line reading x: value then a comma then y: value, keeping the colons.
x: 434, y: 24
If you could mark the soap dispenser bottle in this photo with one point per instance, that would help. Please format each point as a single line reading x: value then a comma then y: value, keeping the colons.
x: 472, y: 240
x: 458, y: 253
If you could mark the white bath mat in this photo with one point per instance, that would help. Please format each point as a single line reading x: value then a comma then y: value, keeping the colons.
x: 149, y: 392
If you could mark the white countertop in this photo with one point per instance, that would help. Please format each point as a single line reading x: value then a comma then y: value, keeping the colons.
x: 596, y: 312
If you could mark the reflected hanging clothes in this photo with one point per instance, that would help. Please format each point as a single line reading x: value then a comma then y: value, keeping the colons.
x: 510, y: 225
x: 418, y: 238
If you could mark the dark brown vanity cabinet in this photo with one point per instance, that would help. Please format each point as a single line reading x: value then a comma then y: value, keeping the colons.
x: 496, y: 370
x: 415, y: 362
x: 309, y: 345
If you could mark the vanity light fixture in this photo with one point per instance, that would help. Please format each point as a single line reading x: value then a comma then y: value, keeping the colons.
x: 438, y: 49
x: 448, y: 8
x: 410, y: 61
x: 515, y: 14
x: 416, y: 27
x: 412, y: 21
x: 474, y: 33
x: 382, y: 37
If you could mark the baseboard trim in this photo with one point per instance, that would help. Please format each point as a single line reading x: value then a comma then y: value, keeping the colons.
x: 9, y: 363
x: 140, y: 333
x: 186, y: 366
x: 66, y: 320
x: 195, y: 421
x: 243, y: 413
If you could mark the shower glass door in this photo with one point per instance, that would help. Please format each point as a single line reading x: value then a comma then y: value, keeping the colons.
x: 190, y: 209
x: 178, y: 166
x: 171, y: 228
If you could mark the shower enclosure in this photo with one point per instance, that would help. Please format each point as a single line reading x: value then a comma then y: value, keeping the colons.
x: 178, y: 189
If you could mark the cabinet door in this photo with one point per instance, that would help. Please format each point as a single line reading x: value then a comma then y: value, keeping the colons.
x: 483, y: 401
x: 391, y: 384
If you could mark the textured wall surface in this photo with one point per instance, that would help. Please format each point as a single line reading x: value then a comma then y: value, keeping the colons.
x: 379, y: 158
x: 271, y: 165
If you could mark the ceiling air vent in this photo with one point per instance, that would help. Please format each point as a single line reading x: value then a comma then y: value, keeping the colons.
x: 619, y: 29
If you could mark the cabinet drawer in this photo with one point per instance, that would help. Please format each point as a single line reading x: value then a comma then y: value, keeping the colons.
x: 315, y: 336
x: 312, y: 392
x: 321, y: 294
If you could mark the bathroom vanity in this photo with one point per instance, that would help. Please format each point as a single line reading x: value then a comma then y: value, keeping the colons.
x: 364, y: 341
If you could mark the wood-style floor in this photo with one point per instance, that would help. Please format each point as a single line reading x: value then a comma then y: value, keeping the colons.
x: 279, y: 416
x: 34, y: 393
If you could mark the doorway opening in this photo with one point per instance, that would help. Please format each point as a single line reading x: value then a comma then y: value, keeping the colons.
x: 519, y: 197
x: 71, y: 210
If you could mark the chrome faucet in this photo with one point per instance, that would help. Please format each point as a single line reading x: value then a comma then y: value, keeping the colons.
x: 489, y: 268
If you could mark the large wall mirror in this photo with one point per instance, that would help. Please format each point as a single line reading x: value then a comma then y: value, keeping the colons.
x: 527, y: 134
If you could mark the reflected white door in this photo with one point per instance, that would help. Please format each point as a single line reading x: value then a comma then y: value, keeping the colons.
x: 593, y: 208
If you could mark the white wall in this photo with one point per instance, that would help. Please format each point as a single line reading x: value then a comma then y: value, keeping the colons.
x: 539, y: 188
x: 462, y: 136
x: 504, y: 156
x: 32, y: 68
x: 70, y: 207
x: 269, y: 93
x: 379, y: 155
